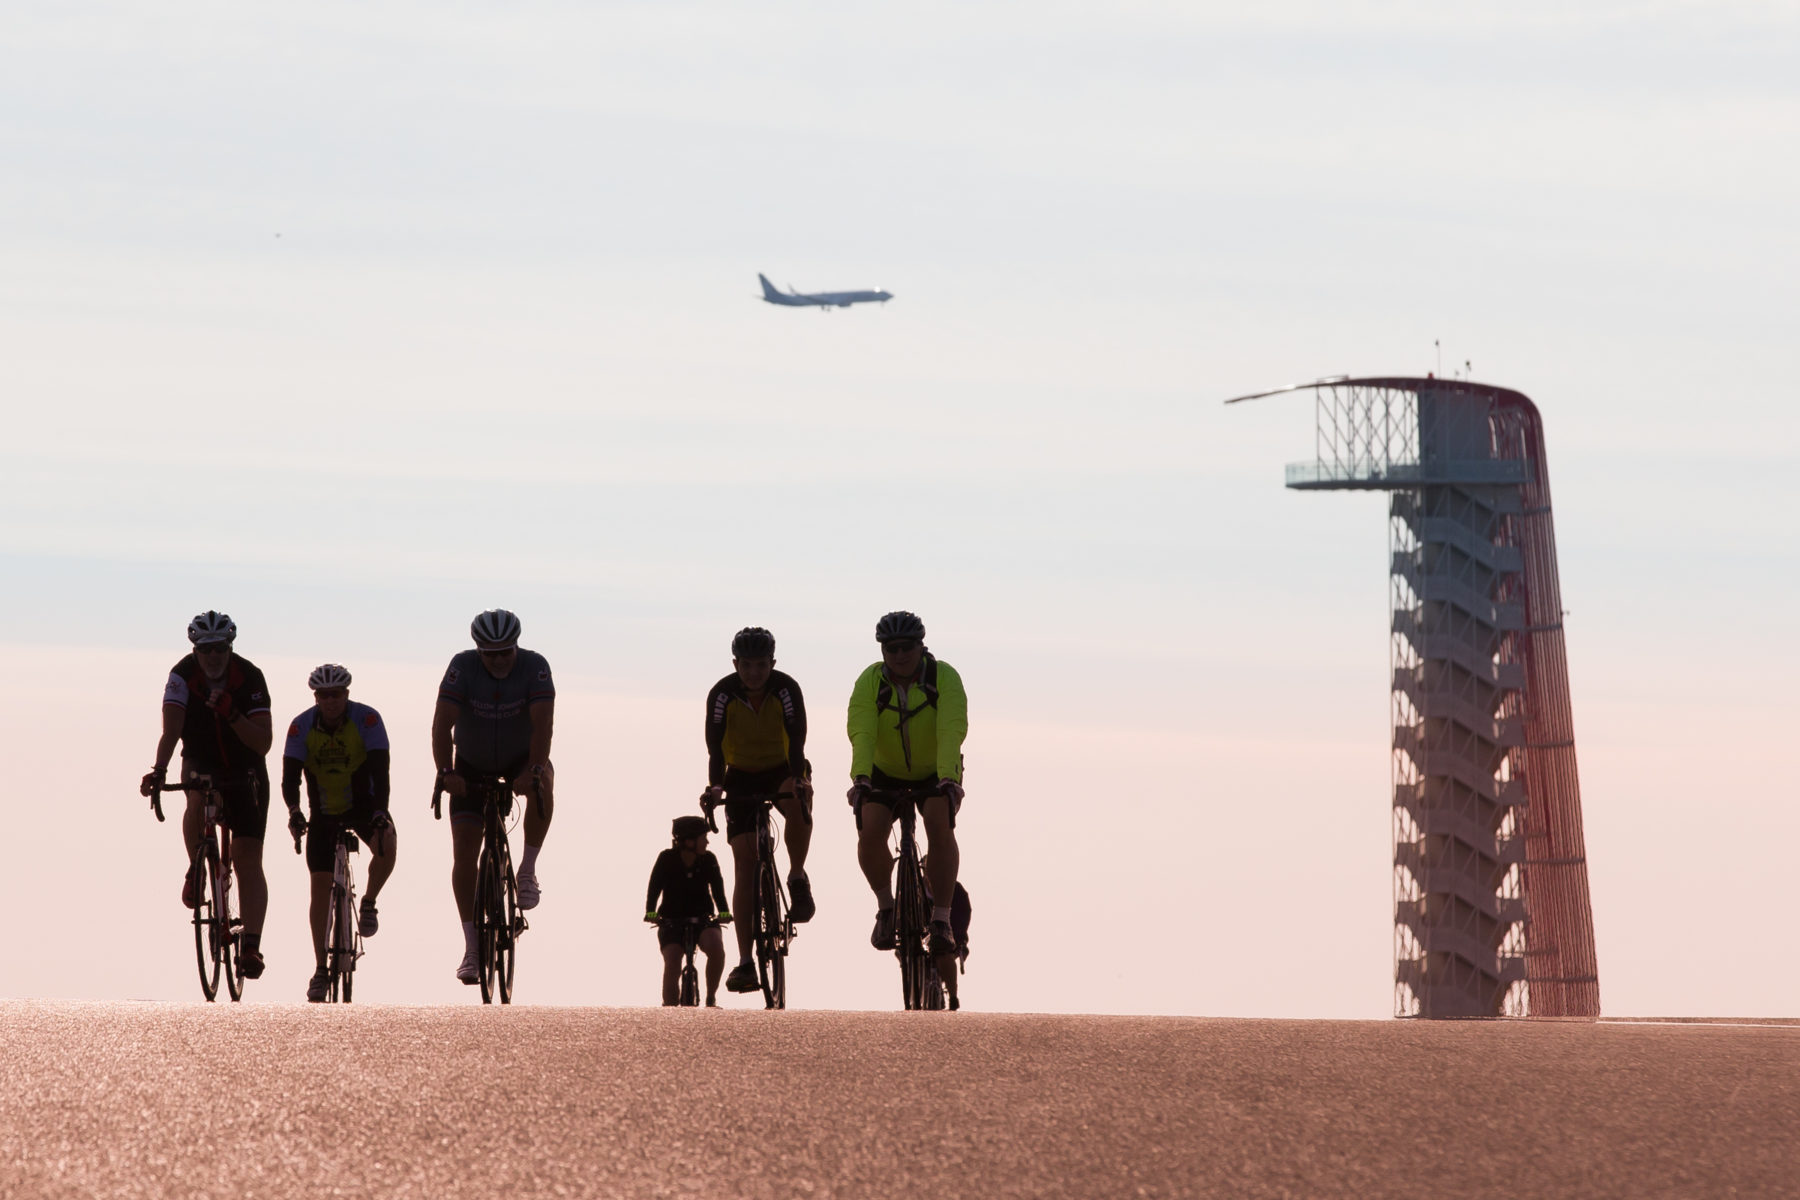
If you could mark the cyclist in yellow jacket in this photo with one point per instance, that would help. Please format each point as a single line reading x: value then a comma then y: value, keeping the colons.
x: 908, y: 718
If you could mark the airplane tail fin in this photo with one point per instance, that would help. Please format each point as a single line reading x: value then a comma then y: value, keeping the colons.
x: 770, y: 291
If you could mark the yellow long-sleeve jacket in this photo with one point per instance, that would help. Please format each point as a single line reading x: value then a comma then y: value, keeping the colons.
x: 912, y: 737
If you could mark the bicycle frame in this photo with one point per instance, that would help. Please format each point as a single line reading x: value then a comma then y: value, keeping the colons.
x: 345, y: 945
x: 209, y: 865
x: 771, y: 930
x: 921, y: 983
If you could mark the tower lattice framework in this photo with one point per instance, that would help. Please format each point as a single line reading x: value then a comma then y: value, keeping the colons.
x: 1491, y: 907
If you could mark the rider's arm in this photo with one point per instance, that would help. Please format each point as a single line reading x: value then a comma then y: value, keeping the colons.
x: 952, y: 722
x: 543, y: 717
x: 255, y: 730
x: 443, y: 723
x: 862, y: 722
x: 656, y: 882
x: 173, y: 716
x: 793, y: 715
x: 376, y: 767
x: 290, y: 781
x: 715, y: 879
x: 718, y: 702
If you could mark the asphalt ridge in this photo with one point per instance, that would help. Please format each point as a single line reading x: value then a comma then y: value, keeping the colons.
x: 139, y: 1100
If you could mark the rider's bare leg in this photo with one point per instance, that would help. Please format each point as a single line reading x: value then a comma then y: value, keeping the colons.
x: 381, y: 864
x: 671, y: 976
x: 253, y: 889
x: 797, y: 831
x: 465, y: 841
x: 872, y: 851
x: 944, y: 859
x: 713, y: 946
x: 743, y: 890
x: 320, y: 914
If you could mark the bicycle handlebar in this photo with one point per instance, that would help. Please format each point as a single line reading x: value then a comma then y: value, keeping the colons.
x: 708, y: 805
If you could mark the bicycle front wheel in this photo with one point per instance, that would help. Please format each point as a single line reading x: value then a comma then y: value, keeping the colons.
x: 771, y: 938
x: 506, y: 945
x: 487, y: 906
x: 341, y: 956
x: 204, y: 874
x: 226, y: 924
x: 909, y: 923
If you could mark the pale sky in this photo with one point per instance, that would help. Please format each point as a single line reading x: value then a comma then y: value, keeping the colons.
x: 353, y: 322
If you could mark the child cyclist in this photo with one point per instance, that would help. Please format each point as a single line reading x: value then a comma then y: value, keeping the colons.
x: 686, y: 878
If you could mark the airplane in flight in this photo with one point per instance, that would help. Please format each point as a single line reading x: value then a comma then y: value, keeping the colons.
x: 775, y: 295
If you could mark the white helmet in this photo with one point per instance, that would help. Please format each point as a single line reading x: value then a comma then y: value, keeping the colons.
x: 330, y: 675
x: 210, y: 627
x: 495, y: 629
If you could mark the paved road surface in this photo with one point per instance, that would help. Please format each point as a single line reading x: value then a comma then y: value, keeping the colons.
x: 267, y: 1102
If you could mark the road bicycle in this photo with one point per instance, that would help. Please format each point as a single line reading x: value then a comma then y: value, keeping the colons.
x: 771, y: 929
x: 688, y: 995
x: 216, y: 926
x: 345, y: 944
x: 498, y: 919
x: 925, y: 983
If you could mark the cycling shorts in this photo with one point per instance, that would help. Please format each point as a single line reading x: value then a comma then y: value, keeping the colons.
x: 673, y: 933
x: 244, y: 807
x: 881, y: 781
x: 469, y: 804
x: 322, y: 830
x: 740, y: 817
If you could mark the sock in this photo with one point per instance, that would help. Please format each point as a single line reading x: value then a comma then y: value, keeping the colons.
x: 469, y: 937
x: 251, y: 942
x: 797, y: 873
x: 528, y: 860
x: 940, y: 914
x: 885, y: 903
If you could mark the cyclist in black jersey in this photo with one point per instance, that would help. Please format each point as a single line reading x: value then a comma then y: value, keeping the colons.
x: 217, y: 706
x: 756, y: 746
x: 684, y: 884
x: 495, y: 714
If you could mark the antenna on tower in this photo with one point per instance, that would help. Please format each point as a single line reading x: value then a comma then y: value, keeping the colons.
x: 1439, y: 348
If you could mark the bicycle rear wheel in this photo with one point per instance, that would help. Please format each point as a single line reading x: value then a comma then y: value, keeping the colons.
x: 206, y: 939
x: 771, y: 937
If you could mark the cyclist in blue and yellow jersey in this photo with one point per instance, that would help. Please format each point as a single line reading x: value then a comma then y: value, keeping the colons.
x: 756, y: 746
x: 495, y: 712
x: 908, y: 718
x: 341, y: 748
x: 217, y: 706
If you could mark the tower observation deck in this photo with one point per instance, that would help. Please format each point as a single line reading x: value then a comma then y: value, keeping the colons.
x: 1491, y: 907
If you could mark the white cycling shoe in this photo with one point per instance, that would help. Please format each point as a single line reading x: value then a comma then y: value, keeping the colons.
x: 528, y: 890
x: 470, y: 971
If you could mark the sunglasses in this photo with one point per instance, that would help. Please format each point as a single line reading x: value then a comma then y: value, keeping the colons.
x: 900, y: 647
x: 213, y: 648
x: 496, y: 653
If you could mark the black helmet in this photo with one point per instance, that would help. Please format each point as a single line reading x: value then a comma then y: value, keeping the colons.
x: 753, y: 641
x: 495, y: 629
x: 211, y: 628
x: 898, y: 625
x: 686, y: 827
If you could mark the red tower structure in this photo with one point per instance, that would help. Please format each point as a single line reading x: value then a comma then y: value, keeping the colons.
x: 1491, y: 908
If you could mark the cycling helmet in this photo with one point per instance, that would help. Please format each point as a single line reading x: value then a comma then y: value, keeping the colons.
x: 495, y: 629
x: 753, y: 641
x: 898, y: 625
x: 687, y: 827
x: 210, y: 627
x: 330, y: 675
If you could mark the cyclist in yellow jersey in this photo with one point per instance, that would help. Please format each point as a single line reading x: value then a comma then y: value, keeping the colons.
x: 340, y: 749
x: 756, y: 746
x: 908, y: 718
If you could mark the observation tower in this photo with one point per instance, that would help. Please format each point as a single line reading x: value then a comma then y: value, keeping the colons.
x: 1491, y: 908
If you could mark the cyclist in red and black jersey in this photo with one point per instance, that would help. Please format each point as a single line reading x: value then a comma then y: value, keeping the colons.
x: 217, y: 706
x: 756, y: 745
